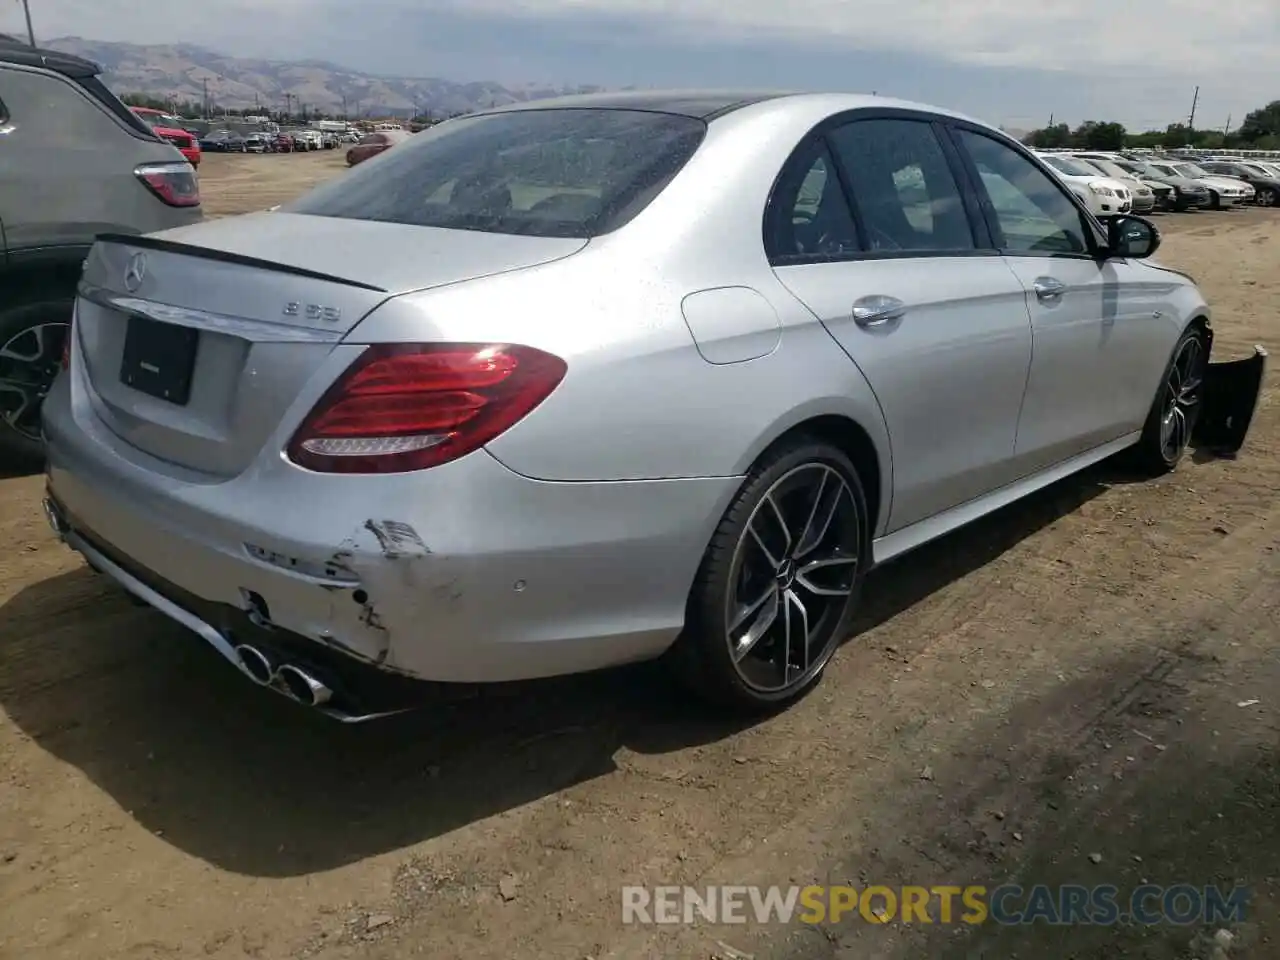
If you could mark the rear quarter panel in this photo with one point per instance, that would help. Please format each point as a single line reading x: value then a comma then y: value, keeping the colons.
x: 639, y: 400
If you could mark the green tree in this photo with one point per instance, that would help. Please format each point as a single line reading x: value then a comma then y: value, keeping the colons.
x: 1261, y: 123
x: 1099, y: 135
x: 1048, y: 138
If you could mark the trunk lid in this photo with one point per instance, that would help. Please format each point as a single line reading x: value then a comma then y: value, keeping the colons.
x: 197, y: 341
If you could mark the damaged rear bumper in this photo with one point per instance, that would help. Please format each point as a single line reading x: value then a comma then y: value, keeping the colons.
x: 387, y: 588
x: 1232, y: 389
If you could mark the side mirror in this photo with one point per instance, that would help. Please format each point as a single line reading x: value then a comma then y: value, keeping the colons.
x: 1132, y: 237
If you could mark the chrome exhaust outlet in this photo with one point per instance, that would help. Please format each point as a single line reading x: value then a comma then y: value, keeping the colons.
x: 56, y: 522
x: 255, y: 663
x: 247, y: 659
x: 302, y: 686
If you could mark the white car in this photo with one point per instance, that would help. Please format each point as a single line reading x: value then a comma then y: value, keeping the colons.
x: 1224, y: 191
x: 1104, y: 196
x: 1144, y: 198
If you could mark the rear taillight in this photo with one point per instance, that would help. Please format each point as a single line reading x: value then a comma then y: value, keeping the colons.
x: 174, y: 183
x: 411, y: 406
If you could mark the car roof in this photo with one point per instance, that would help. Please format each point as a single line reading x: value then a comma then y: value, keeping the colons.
x: 708, y: 104
x: 696, y: 103
x: 15, y: 51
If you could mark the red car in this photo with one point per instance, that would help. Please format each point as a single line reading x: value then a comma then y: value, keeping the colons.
x: 374, y: 143
x: 169, y: 128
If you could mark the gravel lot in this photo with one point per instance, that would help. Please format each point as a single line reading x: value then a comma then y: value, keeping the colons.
x: 1057, y: 681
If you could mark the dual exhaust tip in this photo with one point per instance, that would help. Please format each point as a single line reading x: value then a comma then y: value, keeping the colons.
x: 293, y: 681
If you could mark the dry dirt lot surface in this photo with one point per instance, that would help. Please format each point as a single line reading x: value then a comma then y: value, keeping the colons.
x: 1081, y: 688
x: 233, y: 183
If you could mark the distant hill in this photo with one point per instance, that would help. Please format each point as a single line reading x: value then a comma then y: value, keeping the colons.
x: 182, y: 71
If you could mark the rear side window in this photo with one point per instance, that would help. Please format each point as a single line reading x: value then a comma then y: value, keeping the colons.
x: 98, y: 90
x: 809, y: 215
x: 903, y: 187
x: 551, y: 173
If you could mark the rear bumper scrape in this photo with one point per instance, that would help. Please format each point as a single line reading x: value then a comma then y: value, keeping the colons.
x: 1231, y: 392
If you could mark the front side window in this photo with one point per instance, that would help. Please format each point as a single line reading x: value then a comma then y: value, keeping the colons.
x: 903, y: 187
x: 1032, y: 210
x: 568, y: 172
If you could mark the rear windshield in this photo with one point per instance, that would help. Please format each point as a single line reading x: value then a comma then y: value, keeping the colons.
x: 1072, y: 168
x: 568, y: 172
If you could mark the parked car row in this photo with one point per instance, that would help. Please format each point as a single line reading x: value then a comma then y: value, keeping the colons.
x: 1119, y: 183
x: 298, y: 141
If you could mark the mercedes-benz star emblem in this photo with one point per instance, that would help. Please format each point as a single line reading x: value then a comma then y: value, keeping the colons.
x: 135, y: 272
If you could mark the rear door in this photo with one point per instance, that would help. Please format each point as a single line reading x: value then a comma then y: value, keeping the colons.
x: 1093, y: 372
x: 899, y: 270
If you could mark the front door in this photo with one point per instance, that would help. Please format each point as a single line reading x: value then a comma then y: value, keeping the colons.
x: 1093, y: 373
x: 937, y: 325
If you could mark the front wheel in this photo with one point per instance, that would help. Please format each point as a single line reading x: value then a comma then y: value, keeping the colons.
x: 778, y: 582
x: 1267, y: 197
x: 1215, y: 201
x: 1176, y: 408
x: 31, y: 340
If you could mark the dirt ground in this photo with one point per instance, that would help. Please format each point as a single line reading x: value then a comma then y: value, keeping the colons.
x: 1082, y: 688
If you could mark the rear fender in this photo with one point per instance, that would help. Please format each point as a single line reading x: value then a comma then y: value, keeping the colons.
x: 1231, y: 392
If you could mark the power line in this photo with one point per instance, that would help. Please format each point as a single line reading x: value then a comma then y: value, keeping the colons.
x: 31, y: 34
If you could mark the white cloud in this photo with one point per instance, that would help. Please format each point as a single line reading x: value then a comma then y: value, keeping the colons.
x: 1164, y: 36
x: 1143, y: 55
x: 1168, y: 37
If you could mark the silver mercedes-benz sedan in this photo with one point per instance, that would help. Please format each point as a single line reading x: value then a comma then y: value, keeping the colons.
x: 596, y: 380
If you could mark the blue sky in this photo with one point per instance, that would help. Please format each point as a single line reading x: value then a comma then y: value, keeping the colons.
x: 1012, y: 62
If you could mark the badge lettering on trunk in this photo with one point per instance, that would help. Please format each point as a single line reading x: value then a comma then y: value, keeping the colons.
x: 312, y: 311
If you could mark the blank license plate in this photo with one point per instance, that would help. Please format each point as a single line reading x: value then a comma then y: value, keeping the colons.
x: 159, y: 359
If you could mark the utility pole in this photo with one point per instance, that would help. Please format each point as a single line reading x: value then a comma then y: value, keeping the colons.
x: 205, y: 83
x: 1191, y: 120
x: 31, y: 34
x: 1227, y: 129
x: 344, y: 106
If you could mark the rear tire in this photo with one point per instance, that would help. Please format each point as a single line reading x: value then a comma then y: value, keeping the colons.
x: 778, y: 582
x: 31, y: 340
x: 1166, y: 435
x: 1267, y: 197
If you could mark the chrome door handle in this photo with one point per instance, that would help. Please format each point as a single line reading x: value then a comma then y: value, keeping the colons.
x: 1049, y: 290
x: 876, y: 311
